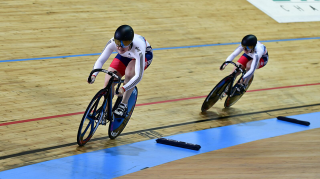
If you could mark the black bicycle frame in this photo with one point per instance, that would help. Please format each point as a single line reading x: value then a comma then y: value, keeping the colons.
x: 233, y: 75
x: 109, y: 89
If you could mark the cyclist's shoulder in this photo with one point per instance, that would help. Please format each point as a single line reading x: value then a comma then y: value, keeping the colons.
x: 139, y: 39
x: 260, y: 46
x: 139, y: 43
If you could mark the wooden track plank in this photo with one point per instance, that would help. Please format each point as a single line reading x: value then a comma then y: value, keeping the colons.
x: 53, y: 87
x: 278, y: 157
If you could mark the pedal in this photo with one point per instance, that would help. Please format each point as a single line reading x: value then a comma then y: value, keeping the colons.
x: 103, y: 122
x: 222, y: 95
x: 234, y: 90
x: 104, y: 119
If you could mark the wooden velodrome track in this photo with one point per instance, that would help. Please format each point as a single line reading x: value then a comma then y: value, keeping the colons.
x: 42, y: 100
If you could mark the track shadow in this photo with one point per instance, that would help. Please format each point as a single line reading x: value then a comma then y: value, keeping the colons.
x: 230, y: 111
x: 219, y: 112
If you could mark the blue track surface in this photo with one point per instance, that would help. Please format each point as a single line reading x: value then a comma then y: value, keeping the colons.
x: 122, y: 160
x: 167, y: 48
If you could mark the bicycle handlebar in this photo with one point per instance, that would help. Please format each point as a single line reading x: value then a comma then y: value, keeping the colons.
x: 113, y: 74
x: 238, y: 66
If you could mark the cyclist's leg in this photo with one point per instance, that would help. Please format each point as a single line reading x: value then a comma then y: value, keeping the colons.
x: 243, y: 60
x: 106, y: 81
x: 107, y: 78
x: 130, y: 72
x: 119, y: 65
x: 262, y: 62
x: 248, y: 66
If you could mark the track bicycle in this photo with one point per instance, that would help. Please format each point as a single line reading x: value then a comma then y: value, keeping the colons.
x: 100, y: 111
x: 226, y: 87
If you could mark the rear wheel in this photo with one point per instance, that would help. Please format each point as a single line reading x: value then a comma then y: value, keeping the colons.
x: 216, y: 93
x: 118, y: 124
x: 232, y: 100
x: 91, y: 118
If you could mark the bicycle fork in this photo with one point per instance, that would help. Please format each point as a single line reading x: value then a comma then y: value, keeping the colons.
x: 228, y: 89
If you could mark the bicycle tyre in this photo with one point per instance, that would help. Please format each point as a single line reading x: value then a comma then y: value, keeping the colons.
x: 232, y: 100
x: 91, y: 118
x: 114, y: 128
x: 215, y: 93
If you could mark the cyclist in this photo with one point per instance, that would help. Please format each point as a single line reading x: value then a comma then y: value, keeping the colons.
x: 134, y: 56
x: 255, y: 56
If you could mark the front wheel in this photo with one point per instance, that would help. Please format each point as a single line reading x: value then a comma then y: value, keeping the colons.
x: 232, y: 100
x: 91, y: 118
x: 215, y: 94
x: 117, y: 125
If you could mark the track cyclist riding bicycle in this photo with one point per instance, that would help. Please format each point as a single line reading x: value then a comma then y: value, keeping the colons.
x: 255, y: 56
x: 134, y: 57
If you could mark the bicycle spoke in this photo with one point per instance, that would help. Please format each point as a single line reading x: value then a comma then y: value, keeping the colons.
x: 91, y: 119
x: 84, y: 132
x: 216, y: 94
x: 95, y: 105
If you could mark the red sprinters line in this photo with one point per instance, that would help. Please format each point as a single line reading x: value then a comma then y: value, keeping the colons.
x: 173, y: 100
x: 41, y: 118
x: 145, y: 104
x: 284, y: 87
